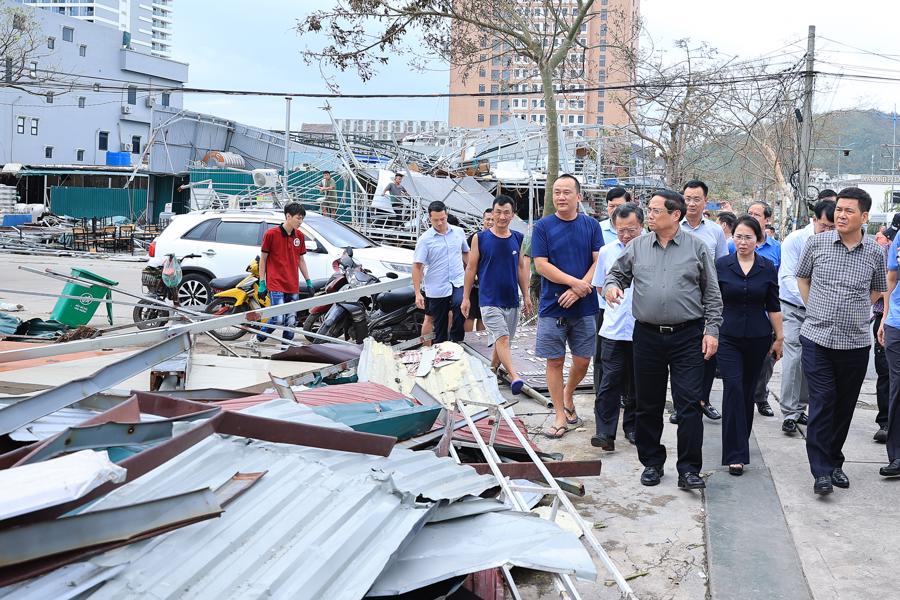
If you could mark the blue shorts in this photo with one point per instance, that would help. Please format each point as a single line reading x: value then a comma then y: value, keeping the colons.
x: 553, y: 333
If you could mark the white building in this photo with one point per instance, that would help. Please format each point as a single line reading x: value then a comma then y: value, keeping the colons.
x: 391, y: 129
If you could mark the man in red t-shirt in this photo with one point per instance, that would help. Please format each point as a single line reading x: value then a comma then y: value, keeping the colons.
x: 281, y: 257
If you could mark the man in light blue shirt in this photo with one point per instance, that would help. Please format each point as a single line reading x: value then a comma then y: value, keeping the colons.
x: 771, y: 248
x: 615, y: 198
x: 615, y: 346
x: 440, y: 259
x: 889, y: 337
x: 794, y: 394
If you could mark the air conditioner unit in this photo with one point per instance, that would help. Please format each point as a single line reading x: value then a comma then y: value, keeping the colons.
x: 125, y: 147
x: 265, y: 177
x: 150, y: 101
x: 126, y: 109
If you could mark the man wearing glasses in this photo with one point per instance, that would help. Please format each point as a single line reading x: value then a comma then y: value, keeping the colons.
x: 677, y: 308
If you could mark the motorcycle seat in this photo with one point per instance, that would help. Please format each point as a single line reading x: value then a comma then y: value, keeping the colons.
x: 226, y: 283
x: 394, y: 299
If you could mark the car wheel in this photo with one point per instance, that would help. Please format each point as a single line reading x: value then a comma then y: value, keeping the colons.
x: 193, y: 292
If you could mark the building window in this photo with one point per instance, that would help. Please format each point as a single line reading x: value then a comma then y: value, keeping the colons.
x: 581, y: 118
x: 495, y: 75
x: 79, y: 155
x: 82, y: 50
x: 165, y: 98
x: 480, y: 118
x: 34, y: 126
x: 48, y: 151
x: 481, y: 88
x: 103, y: 141
x: 135, y: 144
x: 32, y: 72
x: 49, y: 97
x: 68, y: 34
x: 132, y: 94
x: 495, y: 104
x: 481, y: 103
x: 51, y: 43
x: 601, y: 105
x: 481, y: 72
x: 20, y: 125
x: 494, y: 119
x: 81, y: 101
x: 599, y: 120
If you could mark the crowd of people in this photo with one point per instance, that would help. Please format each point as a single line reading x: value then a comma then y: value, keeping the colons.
x: 661, y: 294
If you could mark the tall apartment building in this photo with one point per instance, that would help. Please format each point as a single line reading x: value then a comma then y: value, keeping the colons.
x: 392, y: 129
x: 108, y: 106
x: 506, y: 78
x: 149, y: 22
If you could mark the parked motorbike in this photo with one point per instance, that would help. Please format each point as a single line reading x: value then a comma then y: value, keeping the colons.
x: 235, y: 294
x: 159, y: 282
x: 314, y: 317
x: 389, y: 317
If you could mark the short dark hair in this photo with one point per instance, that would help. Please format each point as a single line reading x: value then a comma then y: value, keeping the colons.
x: 674, y: 200
x: 573, y: 178
x: 437, y: 206
x: 767, y: 210
x: 696, y: 183
x: 326, y: 172
x: 452, y: 220
x: 770, y: 227
x: 488, y: 210
x: 824, y: 208
x: 753, y: 224
x: 861, y: 196
x: 729, y: 218
x: 504, y: 199
x: 294, y: 208
x: 400, y: 175
x: 626, y: 210
x: 618, y: 192
x: 826, y: 193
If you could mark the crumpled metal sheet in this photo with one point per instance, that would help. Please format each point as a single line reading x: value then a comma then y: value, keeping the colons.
x: 450, y: 548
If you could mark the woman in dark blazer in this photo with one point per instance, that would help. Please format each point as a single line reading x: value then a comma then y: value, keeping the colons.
x: 749, y: 285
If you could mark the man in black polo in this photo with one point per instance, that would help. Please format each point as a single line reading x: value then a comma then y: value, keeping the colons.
x: 677, y: 308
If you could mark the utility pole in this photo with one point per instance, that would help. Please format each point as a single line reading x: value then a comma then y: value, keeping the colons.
x: 287, y: 145
x: 806, y: 129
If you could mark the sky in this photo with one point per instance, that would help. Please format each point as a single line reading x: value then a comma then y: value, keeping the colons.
x: 236, y: 44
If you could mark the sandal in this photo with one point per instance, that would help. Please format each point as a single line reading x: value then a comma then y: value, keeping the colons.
x: 572, y: 418
x: 557, y: 432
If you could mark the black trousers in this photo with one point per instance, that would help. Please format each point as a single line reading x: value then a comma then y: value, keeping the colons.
x: 618, y: 381
x: 709, y: 375
x: 741, y: 361
x: 834, y: 378
x: 892, y: 350
x: 598, y: 364
x: 439, y: 310
x: 882, y: 384
x: 655, y: 354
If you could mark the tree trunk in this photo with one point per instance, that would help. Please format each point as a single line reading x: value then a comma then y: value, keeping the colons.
x: 552, y: 137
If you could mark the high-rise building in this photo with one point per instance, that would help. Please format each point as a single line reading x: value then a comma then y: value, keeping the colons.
x: 149, y: 24
x: 508, y: 79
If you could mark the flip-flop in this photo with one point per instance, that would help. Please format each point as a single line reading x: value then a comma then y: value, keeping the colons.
x: 573, y: 423
x: 516, y: 386
x: 558, y: 432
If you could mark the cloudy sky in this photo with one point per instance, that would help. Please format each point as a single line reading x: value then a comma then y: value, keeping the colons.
x: 234, y: 46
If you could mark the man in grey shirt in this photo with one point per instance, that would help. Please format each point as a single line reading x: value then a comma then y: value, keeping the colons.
x: 677, y: 309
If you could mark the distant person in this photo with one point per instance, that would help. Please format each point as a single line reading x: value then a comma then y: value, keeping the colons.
x: 840, y: 275
x: 564, y: 246
x: 751, y: 315
x: 770, y: 231
x: 828, y: 194
x: 794, y: 393
x: 727, y: 221
x: 474, y: 313
x: 439, y: 263
x: 328, y: 188
x: 888, y: 337
x: 495, y: 255
x: 884, y: 238
x: 395, y: 196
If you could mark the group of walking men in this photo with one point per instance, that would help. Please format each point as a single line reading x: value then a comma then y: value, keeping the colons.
x: 646, y: 307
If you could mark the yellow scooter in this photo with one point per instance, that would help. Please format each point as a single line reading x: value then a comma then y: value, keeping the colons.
x: 236, y: 294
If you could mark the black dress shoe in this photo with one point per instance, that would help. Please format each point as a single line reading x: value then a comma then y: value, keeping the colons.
x: 802, y: 419
x: 652, y: 475
x: 823, y: 486
x: 629, y: 435
x: 881, y: 435
x: 789, y: 426
x: 710, y: 411
x: 691, y: 481
x: 892, y: 470
x: 764, y: 409
x: 674, y: 419
x: 603, y: 442
x: 839, y: 478
x: 736, y: 470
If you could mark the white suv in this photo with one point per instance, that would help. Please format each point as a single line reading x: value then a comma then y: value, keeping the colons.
x: 228, y: 240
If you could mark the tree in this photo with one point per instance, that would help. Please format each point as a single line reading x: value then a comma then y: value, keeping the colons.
x: 20, y: 41
x: 548, y: 36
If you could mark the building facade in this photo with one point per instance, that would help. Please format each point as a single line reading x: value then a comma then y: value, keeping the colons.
x: 513, y: 85
x: 148, y: 22
x: 84, y: 94
x: 391, y: 129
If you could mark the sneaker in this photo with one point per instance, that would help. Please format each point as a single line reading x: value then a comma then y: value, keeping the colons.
x: 802, y: 419
x: 789, y: 426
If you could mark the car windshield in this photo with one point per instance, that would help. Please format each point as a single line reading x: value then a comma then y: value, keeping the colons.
x: 337, y: 234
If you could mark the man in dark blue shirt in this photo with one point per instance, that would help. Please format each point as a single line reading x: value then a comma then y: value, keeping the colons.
x: 564, y: 247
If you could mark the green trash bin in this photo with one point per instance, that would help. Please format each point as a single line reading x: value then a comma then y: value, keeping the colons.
x: 74, y: 312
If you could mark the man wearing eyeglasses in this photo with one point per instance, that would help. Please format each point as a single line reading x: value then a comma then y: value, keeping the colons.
x: 695, y: 194
x: 677, y: 308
